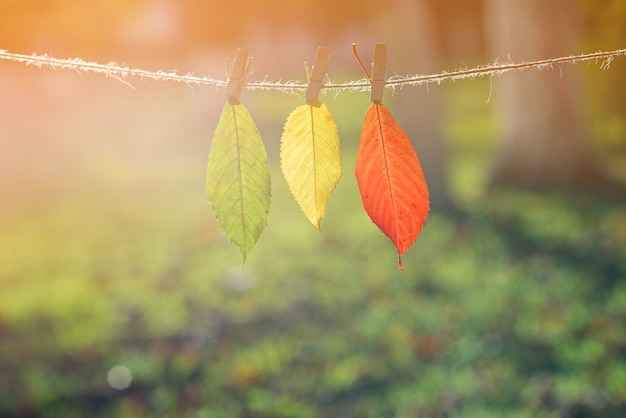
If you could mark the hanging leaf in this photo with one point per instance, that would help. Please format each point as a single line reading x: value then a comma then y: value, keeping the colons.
x: 310, y: 158
x: 390, y: 178
x: 238, y: 178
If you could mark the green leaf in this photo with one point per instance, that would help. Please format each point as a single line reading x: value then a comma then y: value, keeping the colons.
x: 238, y: 178
x: 310, y: 158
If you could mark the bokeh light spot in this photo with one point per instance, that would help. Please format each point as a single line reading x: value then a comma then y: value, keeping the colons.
x: 119, y: 377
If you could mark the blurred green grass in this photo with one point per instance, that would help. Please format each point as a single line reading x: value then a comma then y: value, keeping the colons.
x: 514, y: 309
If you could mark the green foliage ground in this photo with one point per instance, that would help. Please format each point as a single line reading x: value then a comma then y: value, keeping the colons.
x: 514, y: 308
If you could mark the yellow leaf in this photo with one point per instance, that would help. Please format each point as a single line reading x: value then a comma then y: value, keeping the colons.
x: 310, y: 158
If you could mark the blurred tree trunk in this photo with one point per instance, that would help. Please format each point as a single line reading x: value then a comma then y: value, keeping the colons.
x: 410, y: 28
x: 544, y: 139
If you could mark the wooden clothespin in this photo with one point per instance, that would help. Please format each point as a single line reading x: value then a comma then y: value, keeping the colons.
x: 317, y: 75
x: 237, y: 76
x: 378, y: 72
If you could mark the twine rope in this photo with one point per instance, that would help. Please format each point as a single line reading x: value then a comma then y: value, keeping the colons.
x: 122, y: 72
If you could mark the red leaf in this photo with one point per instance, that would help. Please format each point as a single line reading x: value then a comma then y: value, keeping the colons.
x: 391, y: 180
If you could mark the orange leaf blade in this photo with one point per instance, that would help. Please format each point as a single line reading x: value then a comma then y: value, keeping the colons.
x: 390, y: 178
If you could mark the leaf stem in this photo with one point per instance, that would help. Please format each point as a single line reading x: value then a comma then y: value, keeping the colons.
x: 356, y: 55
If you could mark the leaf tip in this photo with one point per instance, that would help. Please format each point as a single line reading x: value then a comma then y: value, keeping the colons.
x: 317, y: 222
x: 400, y: 266
x: 244, y: 255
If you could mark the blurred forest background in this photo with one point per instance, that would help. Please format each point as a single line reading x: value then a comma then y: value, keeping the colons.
x: 120, y: 296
